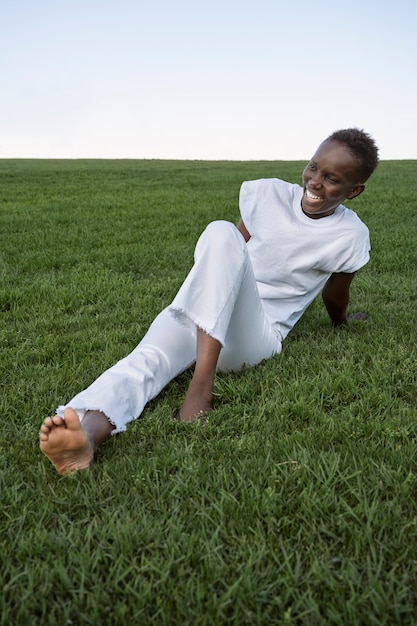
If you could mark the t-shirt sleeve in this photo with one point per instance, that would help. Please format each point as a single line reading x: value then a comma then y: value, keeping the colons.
x: 259, y: 201
x: 248, y: 201
x: 359, y: 253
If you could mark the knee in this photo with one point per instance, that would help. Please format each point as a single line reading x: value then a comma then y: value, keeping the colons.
x: 221, y: 240
x: 224, y: 233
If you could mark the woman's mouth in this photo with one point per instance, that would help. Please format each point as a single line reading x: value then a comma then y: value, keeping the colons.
x: 312, y: 196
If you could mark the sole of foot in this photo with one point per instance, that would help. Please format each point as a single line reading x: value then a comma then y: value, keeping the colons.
x: 64, y: 442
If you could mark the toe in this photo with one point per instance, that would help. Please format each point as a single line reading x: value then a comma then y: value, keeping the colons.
x: 48, y: 423
x: 57, y: 420
x: 71, y: 418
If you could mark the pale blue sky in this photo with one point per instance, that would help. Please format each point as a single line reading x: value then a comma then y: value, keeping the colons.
x: 220, y: 79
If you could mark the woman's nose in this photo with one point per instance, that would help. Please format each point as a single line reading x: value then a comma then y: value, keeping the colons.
x: 315, y: 180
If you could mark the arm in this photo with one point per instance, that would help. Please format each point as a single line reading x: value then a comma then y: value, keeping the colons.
x: 336, y: 297
x: 242, y: 229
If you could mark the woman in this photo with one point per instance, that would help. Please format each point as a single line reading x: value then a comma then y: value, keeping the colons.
x: 248, y: 287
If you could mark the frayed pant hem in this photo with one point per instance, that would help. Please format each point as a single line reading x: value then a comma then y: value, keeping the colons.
x: 118, y: 428
x: 187, y: 320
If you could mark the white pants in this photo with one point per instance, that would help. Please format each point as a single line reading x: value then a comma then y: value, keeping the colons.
x: 220, y: 296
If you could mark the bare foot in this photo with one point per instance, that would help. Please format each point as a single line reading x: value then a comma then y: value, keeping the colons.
x: 65, y: 443
x: 196, y: 405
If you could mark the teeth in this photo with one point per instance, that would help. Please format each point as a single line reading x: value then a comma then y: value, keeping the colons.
x: 312, y: 196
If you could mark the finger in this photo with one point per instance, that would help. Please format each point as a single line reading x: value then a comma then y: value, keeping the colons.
x: 357, y: 317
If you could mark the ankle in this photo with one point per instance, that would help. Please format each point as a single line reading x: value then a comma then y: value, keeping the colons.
x: 97, y: 428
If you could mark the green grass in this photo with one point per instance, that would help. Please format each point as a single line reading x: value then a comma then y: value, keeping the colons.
x: 296, y: 503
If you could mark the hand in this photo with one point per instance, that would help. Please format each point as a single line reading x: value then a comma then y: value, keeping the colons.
x: 357, y: 317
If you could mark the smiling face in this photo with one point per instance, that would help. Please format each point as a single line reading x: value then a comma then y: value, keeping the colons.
x: 331, y: 176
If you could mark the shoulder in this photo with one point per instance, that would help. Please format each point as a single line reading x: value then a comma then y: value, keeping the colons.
x: 267, y: 189
x: 266, y: 185
x: 261, y: 200
x: 352, y: 221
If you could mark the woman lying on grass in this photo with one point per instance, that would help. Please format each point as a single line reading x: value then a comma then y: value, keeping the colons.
x: 248, y: 287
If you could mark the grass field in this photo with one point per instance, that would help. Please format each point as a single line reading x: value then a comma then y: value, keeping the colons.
x: 296, y: 503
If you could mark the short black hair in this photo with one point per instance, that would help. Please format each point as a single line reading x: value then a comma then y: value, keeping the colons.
x: 362, y: 147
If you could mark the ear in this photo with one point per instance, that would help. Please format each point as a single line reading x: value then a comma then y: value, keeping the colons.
x: 356, y: 191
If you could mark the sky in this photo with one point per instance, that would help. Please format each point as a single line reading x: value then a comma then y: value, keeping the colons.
x: 213, y: 79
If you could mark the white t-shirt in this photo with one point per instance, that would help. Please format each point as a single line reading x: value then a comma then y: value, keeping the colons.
x: 293, y: 255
